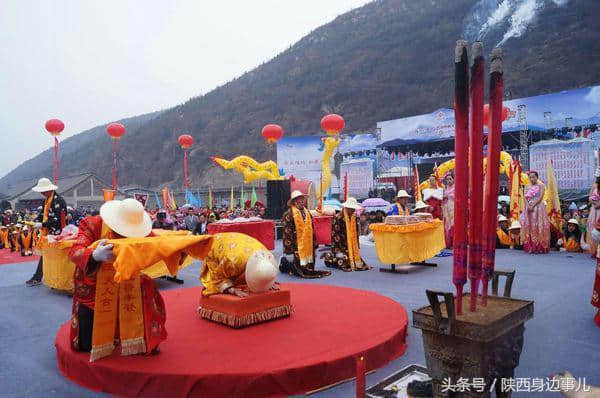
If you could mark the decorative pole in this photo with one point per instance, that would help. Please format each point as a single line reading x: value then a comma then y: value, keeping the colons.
x: 115, y: 131
x: 475, y: 170
x: 55, y: 127
x: 490, y: 212
x: 461, y: 149
x: 185, y: 141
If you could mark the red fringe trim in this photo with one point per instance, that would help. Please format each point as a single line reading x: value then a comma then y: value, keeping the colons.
x: 240, y: 321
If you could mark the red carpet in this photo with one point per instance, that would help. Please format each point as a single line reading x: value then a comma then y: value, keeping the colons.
x: 314, y: 347
x: 8, y: 257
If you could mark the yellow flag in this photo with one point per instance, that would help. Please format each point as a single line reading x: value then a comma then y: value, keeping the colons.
x: 231, y: 200
x: 516, y: 192
x: 553, y: 201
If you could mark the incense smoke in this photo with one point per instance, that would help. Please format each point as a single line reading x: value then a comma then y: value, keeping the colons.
x: 513, y: 17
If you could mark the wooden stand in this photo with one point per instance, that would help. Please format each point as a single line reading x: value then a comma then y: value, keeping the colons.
x: 484, y: 345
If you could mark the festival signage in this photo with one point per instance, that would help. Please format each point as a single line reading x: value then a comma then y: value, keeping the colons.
x: 360, y: 176
x: 573, y: 162
x: 580, y: 107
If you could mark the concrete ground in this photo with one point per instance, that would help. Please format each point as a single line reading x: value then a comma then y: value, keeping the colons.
x: 561, y: 336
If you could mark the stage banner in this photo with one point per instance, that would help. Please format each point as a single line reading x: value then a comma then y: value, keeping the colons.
x: 573, y: 162
x: 360, y: 176
x: 301, y: 157
x: 555, y: 111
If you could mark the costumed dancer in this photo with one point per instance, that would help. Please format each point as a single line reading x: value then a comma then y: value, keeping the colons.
x: 299, y: 240
x: 571, y: 241
x: 594, y: 212
x: 237, y: 263
x: 345, y: 251
x: 53, y: 219
x: 433, y: 197
x: 596, y: 290
x: 534, y: 219
x: 15, y: 238
x: 400, y: 208
x: 448, y: 209
x: 135, y: 304
x: 26, y: 242
x: 503, y: 239
x: 515, y: 235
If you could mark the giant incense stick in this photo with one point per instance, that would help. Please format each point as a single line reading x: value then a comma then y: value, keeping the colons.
x: 461, y: 150
x: 491, y: 176
x: 475, y: 169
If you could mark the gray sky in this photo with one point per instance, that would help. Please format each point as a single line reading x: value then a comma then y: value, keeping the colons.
x: 90, y: 62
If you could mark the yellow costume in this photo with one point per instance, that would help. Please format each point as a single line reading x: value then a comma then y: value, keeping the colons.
x: 503, y: 238
x: 225, y: 263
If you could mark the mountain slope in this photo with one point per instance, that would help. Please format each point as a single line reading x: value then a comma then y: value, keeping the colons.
x: 388, y: 59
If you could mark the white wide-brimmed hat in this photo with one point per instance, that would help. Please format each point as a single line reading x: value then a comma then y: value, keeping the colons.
x: 126, y: 217
x: 25, y: 228
x: 351, y: 203
x: 294, y: 195
x: 502, y: 218
x: 261, y: 271
x: 44, y: 185
x: 515, y: 225
x: 421, y: 205
x: 573, y: 221
x: 402, y: 194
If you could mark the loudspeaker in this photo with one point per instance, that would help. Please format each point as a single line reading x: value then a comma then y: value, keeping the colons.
x: 278, y: 193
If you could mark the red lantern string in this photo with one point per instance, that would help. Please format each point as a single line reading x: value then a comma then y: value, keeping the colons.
x: 461, y: 178
x: 55, y: 159
x: 475, y: 171
x: 490, y: 212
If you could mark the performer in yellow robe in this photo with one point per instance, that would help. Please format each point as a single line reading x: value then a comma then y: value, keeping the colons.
x: 236, y: 263
x: 503, y: 240
x: 26, y: 242
x: 299, y: 240
x: 571, y: 241
x: 4, y: 243
x: 345, y: 251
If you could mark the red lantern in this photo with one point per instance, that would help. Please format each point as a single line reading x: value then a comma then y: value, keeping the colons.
x: 55, y: 126
x: 332, y: 124
x: 115, y: 130
x: 272, y: 133
x: 486, y: 114
x: 185, y: 141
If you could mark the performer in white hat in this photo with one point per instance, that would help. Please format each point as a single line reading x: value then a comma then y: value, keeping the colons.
x: 345, y: 251
x: 26, y: 241
x: 400, y: 208
x: 421, y: 206
x: 503, y: 240
x: 571, y: 241
x: 53, y: 219
x: 238, y: 263
x: 299, y: 240
x: 515, y: 235
x: 143, y: 329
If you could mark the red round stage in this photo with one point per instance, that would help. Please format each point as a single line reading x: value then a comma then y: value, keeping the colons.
x: 315, y: 347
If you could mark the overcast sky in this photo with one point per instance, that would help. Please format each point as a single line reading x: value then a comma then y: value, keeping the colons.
x: 91, y: 62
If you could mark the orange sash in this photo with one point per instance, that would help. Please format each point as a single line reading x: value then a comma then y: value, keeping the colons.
x: 126, y: 297
x: 26, y: 241
x: 4, y: 236
x: 304, y: 235
x: 503, y: 237
x: 352, y: 240
x: 47, y: 204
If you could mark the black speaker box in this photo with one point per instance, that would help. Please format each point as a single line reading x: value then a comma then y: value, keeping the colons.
x: 278, y: 193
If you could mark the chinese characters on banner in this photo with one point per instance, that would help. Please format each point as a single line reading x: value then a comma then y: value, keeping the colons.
x: 573, y: 162
x: 360, y: 177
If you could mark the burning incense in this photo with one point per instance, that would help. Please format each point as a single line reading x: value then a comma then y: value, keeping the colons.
x: 490, y: 212
x: 475, y: 170
x: 461, y: 150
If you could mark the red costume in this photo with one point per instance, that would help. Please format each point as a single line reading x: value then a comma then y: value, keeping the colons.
x: 84, y: 292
